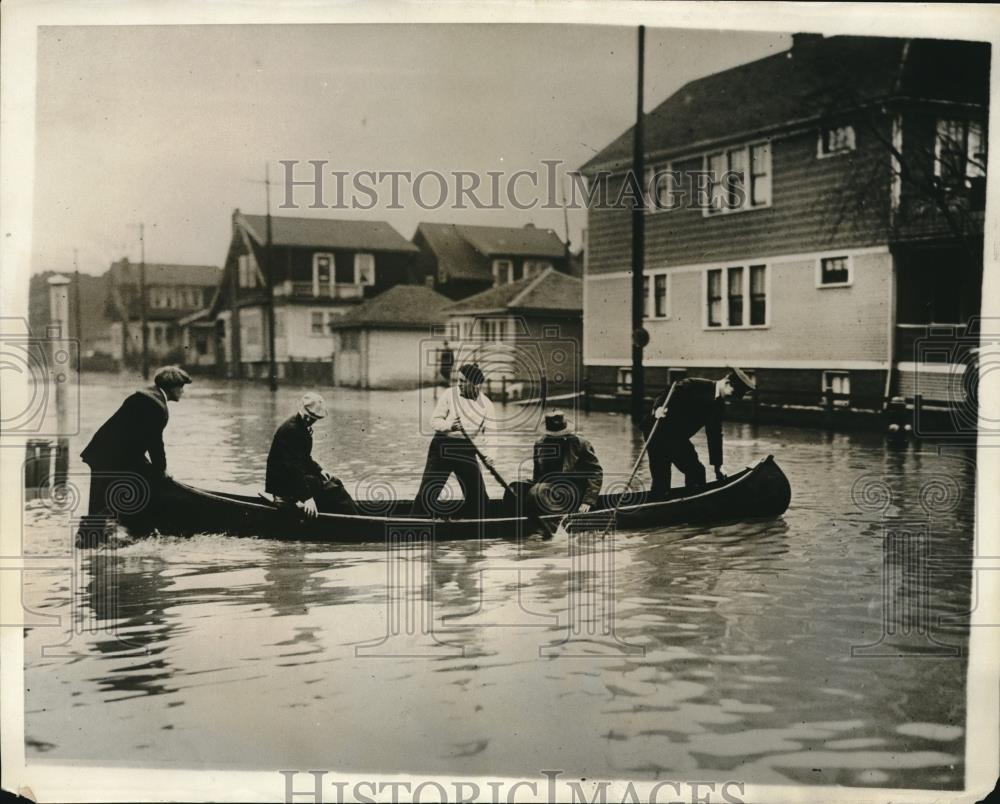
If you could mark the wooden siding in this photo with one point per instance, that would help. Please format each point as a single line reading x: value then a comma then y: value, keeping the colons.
x: 840, y: 201
x: 806, y: 323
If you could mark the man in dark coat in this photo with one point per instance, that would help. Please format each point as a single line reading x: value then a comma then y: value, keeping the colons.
x: 567, y: 475
x: 293, y: 476
x: 694, y: 404
x: 117, y: 452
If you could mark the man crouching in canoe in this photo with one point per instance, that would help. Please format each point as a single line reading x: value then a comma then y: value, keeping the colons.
x: 293, y: 476
x: 567, y: 475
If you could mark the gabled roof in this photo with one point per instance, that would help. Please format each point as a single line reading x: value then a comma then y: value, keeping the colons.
x: 399, y: 307
x: 817, y: 77
x: 459, y: 248
x: 326, y: 233
x: 127, y: 273
x: 551, y: 291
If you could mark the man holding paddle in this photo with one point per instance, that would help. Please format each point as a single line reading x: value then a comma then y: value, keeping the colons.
x: 464, y: 425
x: 680, y: 412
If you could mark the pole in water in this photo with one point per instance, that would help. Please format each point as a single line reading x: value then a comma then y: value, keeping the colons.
x: 268, y: 268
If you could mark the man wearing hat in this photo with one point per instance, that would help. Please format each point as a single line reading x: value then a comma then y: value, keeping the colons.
x: 464, y: 423
x: 292, y: 474
x: 567, y: 475
x: 695, y: 403
x: 117, y: 452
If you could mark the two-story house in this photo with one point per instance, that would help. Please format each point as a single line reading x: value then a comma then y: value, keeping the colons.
x: 808, y: 215
x: 319, y: 269
x: 172, y: 292
x: 466, y: 259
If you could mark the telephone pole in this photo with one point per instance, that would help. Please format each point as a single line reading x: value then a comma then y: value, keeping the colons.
x: 77, y: 309
x: 639, y: 335
x: 142, y: 301
x: 269, y: 280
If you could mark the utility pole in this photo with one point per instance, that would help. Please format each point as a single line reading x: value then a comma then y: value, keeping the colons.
x: 639, y: 335
x: 142, y: 301
x: 269, y: 280
x: 77, y: 309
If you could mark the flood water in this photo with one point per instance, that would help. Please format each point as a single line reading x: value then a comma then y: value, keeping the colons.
x: 809, y: 649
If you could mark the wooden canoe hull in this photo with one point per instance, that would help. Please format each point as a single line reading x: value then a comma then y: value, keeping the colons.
x: 760, y: 491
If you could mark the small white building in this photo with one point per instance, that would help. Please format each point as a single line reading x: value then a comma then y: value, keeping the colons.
x: 391, y: 341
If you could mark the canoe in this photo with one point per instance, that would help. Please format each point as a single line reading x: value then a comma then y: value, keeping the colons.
x: 760, y: 491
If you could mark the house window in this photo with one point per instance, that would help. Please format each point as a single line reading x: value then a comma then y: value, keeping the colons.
x: 836, y: 140
x: 503, y: 272
x: 959, y: 152
x: 323, y: 274
x: 727, y: 293
x: 252, y: 336
x: 837, y: 384
x: 734, y: 296
x: 364, y: 269
x: 834, y: 272
x: 656, y: 296
x: 740, y: 178
x: 248, y: 271
x: 624, y: 380
x: 645, y: 297
x: 661, y: 189
x: 454, y: 330
x: 316, y: 322
x: 758, y: 295
x: 715, y: 298
x: 535, y: 267
x: 279, y: 323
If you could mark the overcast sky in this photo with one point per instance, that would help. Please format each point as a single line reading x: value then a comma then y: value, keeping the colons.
x: 172, y: 125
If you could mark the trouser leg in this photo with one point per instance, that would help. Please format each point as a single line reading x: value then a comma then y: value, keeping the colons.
x: 659, y: 467
x: 684, y: 456
x: 465, y: 465
x: 333, y: 498
x: 434, y: 478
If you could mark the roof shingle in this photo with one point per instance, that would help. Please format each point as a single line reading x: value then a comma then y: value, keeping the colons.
x: 550, y: 290
x: 327, y: 233
x: 399, y: 307
x: 459, y: 248
x: 127, y: 273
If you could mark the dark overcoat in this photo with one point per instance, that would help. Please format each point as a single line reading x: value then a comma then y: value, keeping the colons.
x: 134, y: 431
x: 569, y: 457
x: 692, y: 407
x: 291, y: 471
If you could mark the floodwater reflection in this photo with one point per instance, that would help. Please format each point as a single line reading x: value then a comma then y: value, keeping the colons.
x: 738, y: 652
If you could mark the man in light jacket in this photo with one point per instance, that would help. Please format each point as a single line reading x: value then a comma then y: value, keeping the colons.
x: 464, y: 428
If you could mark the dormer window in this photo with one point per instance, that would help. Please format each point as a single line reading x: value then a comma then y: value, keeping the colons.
x: 836, y: 140
x: 364, y: 269
x: 323, y: 274
x: 503, y: 272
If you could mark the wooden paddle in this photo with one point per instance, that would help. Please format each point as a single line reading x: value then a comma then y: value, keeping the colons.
x: 549, y: 533
x: 631, y: 477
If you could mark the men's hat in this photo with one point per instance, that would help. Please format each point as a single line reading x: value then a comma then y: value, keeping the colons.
x: 472, y: 373
x: 555, y: 423
x: 313, y: 404
x: 171, y: 377
x: 741, y: 381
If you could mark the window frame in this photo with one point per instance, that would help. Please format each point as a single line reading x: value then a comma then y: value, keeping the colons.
x: 649, y: 281
x: 509, y: 272
x: 821, y: 141
x: 840, y: 398
x: 820, y: 284
x: 322, y: 324
x: 332, y: 281
x: 749, y: 180
x: 357, y: 268
x: 745, y: 287
x: 968, y: 125
x: 666, y: 180
x: 623, y: 380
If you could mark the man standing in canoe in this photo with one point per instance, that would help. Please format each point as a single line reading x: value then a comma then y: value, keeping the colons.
x: 567, y: 475
x: 464, y: 428
x: 293, y: 476
x: 117, y: 452
x: 682, y: 410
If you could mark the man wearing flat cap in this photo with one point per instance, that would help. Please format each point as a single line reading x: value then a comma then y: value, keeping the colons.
x: 567, y: 475
x: 293, y: 477
x: 694, y: 404
x: 118, y: 450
